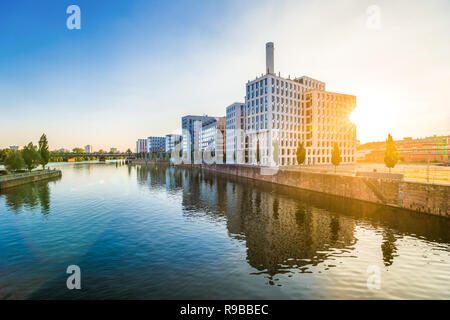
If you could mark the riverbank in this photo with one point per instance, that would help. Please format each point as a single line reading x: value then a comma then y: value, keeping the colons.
x: 10, y: 181
x: 420, y: 197
x: 394, y: 192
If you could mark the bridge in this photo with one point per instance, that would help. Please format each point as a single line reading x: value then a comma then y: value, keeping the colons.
x: 100, y: 156
x: 95, y: 154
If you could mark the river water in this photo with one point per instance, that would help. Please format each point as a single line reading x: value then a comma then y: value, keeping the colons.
x: 165, y: 233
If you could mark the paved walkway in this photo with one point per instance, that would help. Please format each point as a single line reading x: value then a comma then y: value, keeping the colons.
x: 412, y: 172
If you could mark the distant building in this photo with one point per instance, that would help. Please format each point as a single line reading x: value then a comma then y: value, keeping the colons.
x: 156, y: 144
x: 63, y: 150
x: 14, y: 147
x: 235, y: 137
x: 433, y: 149
x: 88, y: 149
x: 172, y: 140
x: 191, y: 134
x: 113, y: 150
x: 213, y: 139
x: 141, y: 146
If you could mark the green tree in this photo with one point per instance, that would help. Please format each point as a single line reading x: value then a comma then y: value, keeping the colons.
x: 391, y: 153
x: 78, y: 150
x: 336, y: 156
x: 14, y: 161
x: 301, y: 153
x: 4, y: 154
x: 31, y: 156
x: 43, y: 151
x: 258, y: 155
x: 101, y: 151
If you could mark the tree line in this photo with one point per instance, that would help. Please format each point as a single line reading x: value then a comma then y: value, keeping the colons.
x: 391, y: 156
x: 29, y: 157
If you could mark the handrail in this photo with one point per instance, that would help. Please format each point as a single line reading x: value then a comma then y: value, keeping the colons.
x: 15, y: 176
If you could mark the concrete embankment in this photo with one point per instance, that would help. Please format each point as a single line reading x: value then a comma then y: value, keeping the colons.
x: 427, y: 198
x: 9, y: 182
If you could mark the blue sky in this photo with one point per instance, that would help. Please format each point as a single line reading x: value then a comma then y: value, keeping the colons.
x: 136, y: 67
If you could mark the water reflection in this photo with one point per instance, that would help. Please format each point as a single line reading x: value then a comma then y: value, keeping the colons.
x: 29, y: 196
x: 388, y: 247
x: 170, y: 233
x: 286, y: 229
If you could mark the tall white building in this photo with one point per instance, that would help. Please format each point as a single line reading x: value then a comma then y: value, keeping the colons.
x: 235, y: 134
x: 88, y: 149
x: 213, y: 139
x: 172, y: 140
x: 281, y: 113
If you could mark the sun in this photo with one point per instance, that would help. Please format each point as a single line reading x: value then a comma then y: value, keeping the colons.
x: 356, y: 117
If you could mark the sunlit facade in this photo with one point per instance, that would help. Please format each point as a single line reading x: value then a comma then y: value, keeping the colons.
x: 327, y: 122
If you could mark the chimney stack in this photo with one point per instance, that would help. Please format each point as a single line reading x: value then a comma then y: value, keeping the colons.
x: 269, y: 57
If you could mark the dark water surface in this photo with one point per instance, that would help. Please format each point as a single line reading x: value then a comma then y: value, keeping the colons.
x: 157, y: 233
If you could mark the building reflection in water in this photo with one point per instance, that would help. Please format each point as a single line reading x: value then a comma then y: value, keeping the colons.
x: 287, y: 229
x: 281, y: 233
x: 29, y: 196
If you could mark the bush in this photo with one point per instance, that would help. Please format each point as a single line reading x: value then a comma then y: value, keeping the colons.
x: 14, y: 161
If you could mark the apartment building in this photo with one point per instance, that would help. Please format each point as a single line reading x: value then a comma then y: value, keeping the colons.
x: 235, y: 133
x: 156, y: 144
x: 172, y: 140
x: 281, y: 112
x: 191, y: 135
x: 213, y: 137
x: 327, y: 122
x: 141, y: 146
x: 88, y: 149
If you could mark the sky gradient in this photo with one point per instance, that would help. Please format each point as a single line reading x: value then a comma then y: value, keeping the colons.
x: 136, y: 67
